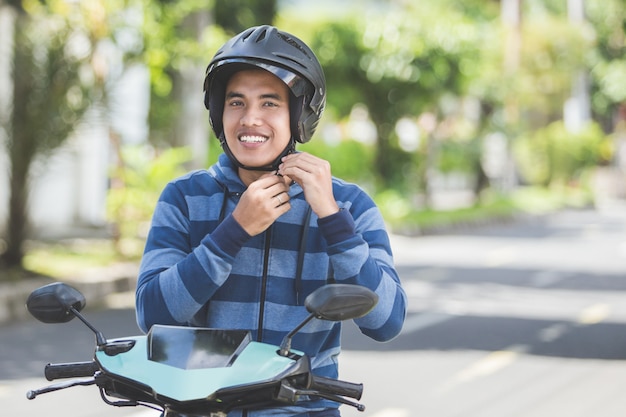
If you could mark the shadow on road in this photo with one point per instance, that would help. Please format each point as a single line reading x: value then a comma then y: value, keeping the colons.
x: 27, y: 347
x: 597, y: 341
x: 540, y: 280
x: 528, y: 310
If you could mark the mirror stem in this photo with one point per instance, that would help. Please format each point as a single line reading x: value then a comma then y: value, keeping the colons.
x: 285, y: 345
x: 100, y: 339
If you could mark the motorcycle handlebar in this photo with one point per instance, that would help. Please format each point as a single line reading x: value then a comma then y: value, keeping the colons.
x: 337, y: 387
x: 70, y: 370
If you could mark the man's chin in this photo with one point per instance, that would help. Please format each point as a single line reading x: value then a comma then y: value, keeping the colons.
x: 256, y: 165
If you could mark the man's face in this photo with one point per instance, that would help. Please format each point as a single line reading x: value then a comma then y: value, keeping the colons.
x: 256, y: 117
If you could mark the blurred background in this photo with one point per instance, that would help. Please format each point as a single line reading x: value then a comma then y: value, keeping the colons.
x: 447, y: 112
x: 491, y: 133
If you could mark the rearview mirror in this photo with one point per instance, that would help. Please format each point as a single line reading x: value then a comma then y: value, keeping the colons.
x: 334, y: 302
x: 53, y: 303
x: 337, y: 302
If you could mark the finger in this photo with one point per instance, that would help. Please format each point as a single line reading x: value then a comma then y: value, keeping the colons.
x: 282, y: 198
x: 267, y: 181
x: 307, y: 163
x: 304, y: 171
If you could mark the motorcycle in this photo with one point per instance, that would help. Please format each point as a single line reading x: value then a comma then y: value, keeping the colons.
x: 200, y: 372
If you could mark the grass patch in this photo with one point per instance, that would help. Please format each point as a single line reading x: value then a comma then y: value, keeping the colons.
x: 69, y: 258
x: 523, y: 201
x: 427, y: 220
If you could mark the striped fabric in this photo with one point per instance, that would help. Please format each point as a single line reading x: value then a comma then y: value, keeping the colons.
x: 201, y: 268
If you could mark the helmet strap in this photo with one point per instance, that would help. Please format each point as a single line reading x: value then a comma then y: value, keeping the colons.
x: 290, y: 148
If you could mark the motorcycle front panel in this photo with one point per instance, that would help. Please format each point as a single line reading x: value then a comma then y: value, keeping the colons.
x: 191, y: 364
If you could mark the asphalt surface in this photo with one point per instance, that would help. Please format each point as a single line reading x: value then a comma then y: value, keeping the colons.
x: 522, y: 319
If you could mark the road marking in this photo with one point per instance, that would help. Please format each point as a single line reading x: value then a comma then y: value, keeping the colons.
x: 490, y: 364
x: 594, y: 314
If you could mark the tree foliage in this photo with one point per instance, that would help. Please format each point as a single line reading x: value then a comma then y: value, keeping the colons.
x: 450, y: 67
x: 185, y: 34
x: 137, y: 184
x: 399, y: 65
x: 237, y: 15
x: 554, y: 156
x: 55, y: 82
x: 607, y: 60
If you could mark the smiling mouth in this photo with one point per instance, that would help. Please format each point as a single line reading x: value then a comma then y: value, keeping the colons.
x: 252, y: 139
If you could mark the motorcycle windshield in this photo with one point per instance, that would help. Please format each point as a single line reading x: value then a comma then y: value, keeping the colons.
x: 195, y: 348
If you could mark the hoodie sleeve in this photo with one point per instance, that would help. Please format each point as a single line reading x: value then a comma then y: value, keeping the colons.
x: 360, y: 253
x: 175, y: 280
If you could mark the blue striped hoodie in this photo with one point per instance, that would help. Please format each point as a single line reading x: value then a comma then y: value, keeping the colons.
x: 200, y: 268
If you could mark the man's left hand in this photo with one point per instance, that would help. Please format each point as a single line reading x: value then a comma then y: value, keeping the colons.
x: 314, y: 176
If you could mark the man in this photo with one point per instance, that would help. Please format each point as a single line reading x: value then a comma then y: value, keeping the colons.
x: 242, y: 244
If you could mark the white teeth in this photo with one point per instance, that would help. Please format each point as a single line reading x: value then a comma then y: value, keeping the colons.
x: 252, y: 139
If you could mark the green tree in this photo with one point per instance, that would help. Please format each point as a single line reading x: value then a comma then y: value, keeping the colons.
x: 522, y: 86
x: 135, y: 190
x: 607, y: 60
x: 552, y: 156
x: 237, y: 15
x: 180, y: 37
x: 54, y: 84
x: 401, y: 63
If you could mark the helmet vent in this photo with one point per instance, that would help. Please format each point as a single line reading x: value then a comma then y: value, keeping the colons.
x: 295, y: 44
x: 261, y: 36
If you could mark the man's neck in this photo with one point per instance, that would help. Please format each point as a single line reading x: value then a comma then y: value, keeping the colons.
x: 248, y: 177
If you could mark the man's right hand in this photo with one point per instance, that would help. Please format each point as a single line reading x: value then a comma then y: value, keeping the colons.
x: 265, y: 200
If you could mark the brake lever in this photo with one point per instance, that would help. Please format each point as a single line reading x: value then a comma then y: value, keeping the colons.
x: 32, y: 394
x: 291, y: 393
x: 333, y: 397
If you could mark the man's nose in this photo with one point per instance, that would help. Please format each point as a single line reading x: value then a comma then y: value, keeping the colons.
x: 250, y: 117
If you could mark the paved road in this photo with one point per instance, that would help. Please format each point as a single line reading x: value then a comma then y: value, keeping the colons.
x: 524, y: 319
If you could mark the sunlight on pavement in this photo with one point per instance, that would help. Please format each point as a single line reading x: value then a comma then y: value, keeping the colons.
x: 392, y: 412
x: 490, y: 364
x: 5, y: 390
x: 501, y: 256
x: 146, y: 413
x: 552, y: 333
x: 594, y: 314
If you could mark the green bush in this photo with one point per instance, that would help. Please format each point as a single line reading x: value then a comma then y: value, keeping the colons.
x: 135, y: 188
x: 553, y: 155
x: 350, y: 160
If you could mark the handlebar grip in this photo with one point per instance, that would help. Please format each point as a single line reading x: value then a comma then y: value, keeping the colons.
x: 70, y: 370
x: 337, y: 387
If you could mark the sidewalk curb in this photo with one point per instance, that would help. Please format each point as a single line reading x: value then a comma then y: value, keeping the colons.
x: 95, y: 284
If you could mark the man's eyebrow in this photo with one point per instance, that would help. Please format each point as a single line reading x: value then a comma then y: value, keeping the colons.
x: 274, y: 96
x: 235, y: 94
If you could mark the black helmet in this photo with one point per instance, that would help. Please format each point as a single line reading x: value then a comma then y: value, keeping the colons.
x: 280, y: 53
